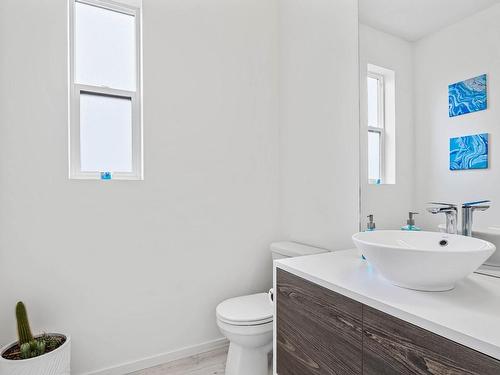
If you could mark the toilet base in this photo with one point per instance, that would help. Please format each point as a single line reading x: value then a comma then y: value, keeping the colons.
x: 247, y: 361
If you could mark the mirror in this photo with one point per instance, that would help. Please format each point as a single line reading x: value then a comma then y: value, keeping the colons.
x: 429, y: 110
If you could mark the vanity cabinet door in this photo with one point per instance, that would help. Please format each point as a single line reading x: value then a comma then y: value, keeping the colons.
x: 318, y: 331
x: 394, y: 347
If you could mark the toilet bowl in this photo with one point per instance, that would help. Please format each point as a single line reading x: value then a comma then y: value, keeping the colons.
x: 247, y: 321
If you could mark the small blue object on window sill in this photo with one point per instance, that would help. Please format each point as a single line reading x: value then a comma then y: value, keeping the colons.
x: 106, y: 176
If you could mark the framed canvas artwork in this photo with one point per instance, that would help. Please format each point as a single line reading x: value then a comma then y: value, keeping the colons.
x: 468, y: 96
x: 469, y: 152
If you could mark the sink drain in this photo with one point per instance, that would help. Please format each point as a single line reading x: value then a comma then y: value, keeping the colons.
x: 443, y: 243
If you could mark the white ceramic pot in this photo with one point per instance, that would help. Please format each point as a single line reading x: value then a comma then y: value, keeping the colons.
x: 57, y: 362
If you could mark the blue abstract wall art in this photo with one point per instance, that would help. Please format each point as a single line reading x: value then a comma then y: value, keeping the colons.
x: 469, y: 152
x: 467, y: 96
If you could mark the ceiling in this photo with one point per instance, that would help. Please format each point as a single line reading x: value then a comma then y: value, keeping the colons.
x: 414, y: 19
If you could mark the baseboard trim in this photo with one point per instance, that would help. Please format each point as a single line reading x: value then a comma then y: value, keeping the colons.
x: 160, y: 359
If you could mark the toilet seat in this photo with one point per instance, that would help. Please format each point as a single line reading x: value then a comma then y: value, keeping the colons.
x: 252, y: 310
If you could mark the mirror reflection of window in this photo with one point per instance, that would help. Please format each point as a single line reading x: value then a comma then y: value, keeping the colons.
x: 379, y: 102
x: 376, y: 127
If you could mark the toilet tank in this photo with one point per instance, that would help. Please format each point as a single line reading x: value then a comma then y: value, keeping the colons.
x: 287, y: 249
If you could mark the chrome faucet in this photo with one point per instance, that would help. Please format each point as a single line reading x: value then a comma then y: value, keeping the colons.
x: 451, y: 212
x: 467, y: 215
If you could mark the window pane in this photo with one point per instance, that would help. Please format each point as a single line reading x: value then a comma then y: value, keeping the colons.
x: 105, y: 133
x: 374, y: 156
x: 372, y: 102
x: 104, y: 47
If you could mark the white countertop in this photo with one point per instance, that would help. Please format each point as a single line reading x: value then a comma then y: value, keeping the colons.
x: 468, y: 314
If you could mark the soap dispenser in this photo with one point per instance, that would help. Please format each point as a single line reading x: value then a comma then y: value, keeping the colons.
x: 410, y: 223
x: 370, y: 226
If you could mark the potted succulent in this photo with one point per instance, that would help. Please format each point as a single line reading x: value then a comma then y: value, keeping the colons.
x: 46, y: 354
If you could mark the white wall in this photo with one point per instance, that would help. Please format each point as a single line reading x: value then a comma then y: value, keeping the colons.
x: 464, y: 50
x: 319, y: 121
x: 134, y: 269
x: 390, y: 203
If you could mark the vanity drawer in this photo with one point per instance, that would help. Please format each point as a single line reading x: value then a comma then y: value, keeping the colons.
x: 318, y: 331
x: 394, y: 347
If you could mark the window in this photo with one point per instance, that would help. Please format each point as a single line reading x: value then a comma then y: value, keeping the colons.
x: 381, y: 118
x: 105, y: 91
x: 376, y: 128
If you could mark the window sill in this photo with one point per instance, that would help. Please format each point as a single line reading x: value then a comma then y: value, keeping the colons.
x: 97, y: 176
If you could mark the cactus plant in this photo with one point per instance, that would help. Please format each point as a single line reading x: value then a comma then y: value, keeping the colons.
x: 28, y: 346
x: 32, y: 349
x: 40, y: 347
x: 25, y: 350
x: 23, y: 325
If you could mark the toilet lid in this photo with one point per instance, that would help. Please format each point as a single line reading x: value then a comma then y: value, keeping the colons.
x: 247, y: 310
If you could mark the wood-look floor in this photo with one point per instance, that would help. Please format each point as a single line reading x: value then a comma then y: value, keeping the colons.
x: 209, y: 363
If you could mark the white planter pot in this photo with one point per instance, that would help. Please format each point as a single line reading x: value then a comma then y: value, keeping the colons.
x: 57, y: 362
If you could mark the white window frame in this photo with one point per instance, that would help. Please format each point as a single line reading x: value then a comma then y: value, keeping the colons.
x: 381, y: 122
x: 76, y: 89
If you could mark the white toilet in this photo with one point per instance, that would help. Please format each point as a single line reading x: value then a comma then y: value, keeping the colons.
x: 247, y: 321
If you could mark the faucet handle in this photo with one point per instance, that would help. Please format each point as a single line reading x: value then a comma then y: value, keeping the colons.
x: 470, y: 204
x: 443, y: 204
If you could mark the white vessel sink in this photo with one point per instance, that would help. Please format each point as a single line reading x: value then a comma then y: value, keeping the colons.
x: 428, y: 261
x: 491, y: 234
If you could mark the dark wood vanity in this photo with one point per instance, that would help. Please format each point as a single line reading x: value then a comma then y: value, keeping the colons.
x: 323, y: 332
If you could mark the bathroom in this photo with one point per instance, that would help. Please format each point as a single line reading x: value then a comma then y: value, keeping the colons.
x: 240, y: 133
